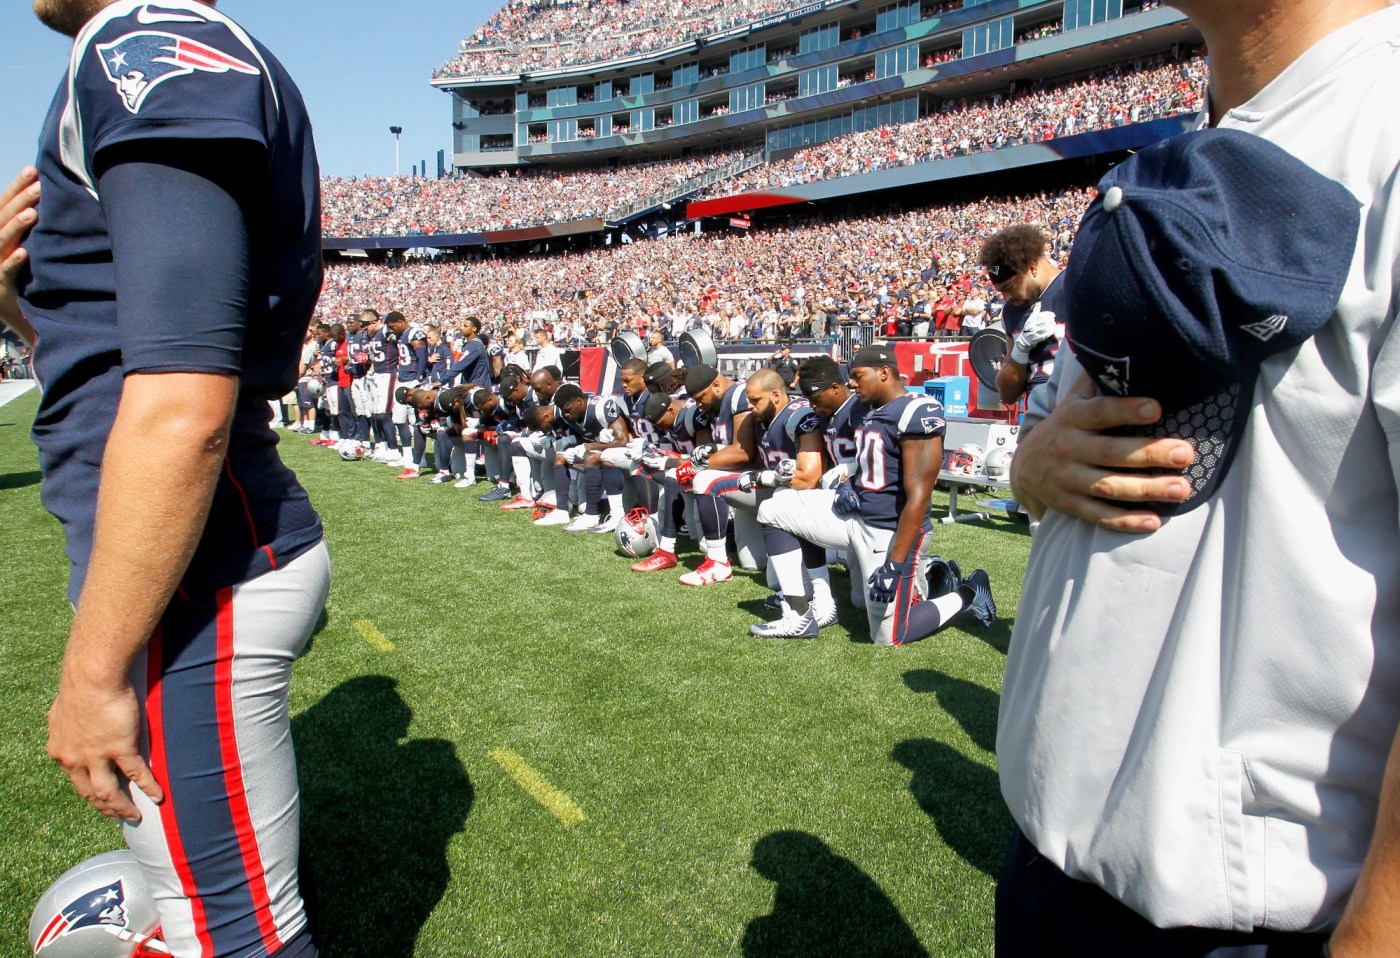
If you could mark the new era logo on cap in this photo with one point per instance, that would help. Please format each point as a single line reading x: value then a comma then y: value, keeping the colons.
x: 1267, y: 329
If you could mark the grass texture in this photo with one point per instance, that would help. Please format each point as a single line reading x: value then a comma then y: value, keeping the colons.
x: 510, y: 744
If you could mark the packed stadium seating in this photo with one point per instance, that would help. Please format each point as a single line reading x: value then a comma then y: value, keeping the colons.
x: 539, y: 34
x: 1114, y: 97
x: 794, y: 280
x: 1119, y: 95
x: 396, y: 206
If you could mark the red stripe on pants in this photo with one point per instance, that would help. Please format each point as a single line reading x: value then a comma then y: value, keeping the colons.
x: 233, y: 774
x: 155, y: 720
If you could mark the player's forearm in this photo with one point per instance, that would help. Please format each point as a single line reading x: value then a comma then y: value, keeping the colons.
x: 159, y: 471
x: 730, y: 457
x: 1011, y: 381
x: 1370, y: 926
x: 906, y: 534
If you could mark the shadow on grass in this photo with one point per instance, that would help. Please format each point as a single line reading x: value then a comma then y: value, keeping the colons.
x: 823, y: 905
x: 963, y: 799
x: 20, y: 480
x: 974, y: 707
x: 377, y: 813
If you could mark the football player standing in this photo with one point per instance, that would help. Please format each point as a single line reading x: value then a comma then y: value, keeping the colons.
x: 180, y: 226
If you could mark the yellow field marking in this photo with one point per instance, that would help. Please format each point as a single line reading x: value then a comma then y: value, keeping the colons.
x: 373, y: 636
x: 537, y: 787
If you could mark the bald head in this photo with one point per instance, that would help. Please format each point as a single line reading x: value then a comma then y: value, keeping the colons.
x: 767, y: 380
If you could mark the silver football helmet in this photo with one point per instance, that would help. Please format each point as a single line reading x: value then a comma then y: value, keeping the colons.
x: 998, y: 462
x: 636, y: 534
x: 99, y: 908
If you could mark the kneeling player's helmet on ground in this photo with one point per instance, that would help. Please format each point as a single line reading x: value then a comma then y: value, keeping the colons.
x: 636, y: 534
x: 966, y: 459
x: 315, y: 388
x: 998, y: 462
x: 99, y: 908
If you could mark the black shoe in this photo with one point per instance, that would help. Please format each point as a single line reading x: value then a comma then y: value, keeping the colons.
x: 497, y: 494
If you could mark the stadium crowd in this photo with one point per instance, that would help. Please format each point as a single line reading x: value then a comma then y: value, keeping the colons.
x: 399, y: 205
x: 1116, y: 97
x: 540, y: 34
x: 902, y: 270
x: 388, y: 206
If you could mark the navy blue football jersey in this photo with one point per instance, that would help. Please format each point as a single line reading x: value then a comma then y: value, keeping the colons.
x: 412, y: 363
x: 384, y: 351
x: 689, y: 421
x: 359, y: 353
x: 327, y: 358
x: 601, y: 413
x: 780, y: 439
x: 1042, y: 357
x: 179, y: 70
x: 880, y: 483
x: 735, y: 401
x: 841, y: 430
x: 636, y: 418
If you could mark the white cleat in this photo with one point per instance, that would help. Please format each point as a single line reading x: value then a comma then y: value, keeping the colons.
x: 607, y: 525
x: 790, y: 626
x: 824, y: 613
x: 583, y: 523
x: 556, y: 517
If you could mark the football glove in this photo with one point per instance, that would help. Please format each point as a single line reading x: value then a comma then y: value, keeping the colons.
x: 884, y: 581
x: 1040, y: 326
x: 701, y: 455
x: 846, y: 504
x: 783, y: 472
x: 575, y: 454
x: 748, y: 481
x: 685, y: 474
x: 607, y: 435
x: 836, y: 475
x: 636, y: 447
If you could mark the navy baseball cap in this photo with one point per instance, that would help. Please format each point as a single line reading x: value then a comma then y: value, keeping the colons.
x: 1203, y: 256
x: 875, y: 355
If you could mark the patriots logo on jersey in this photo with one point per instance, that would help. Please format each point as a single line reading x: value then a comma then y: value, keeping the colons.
x: 137, y: 62
x: 102, y: 906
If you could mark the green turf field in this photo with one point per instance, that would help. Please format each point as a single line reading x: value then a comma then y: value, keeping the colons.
x: 510, y: 744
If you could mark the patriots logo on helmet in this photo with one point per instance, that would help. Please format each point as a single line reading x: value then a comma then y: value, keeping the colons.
x: 137, y: 62
x: 102, y: 906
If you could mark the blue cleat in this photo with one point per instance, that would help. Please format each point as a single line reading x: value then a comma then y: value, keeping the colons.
x: 983, y: 607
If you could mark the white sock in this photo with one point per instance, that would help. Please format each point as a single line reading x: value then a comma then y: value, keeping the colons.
x: 615, y: 506
x: 948, y: 606
x: 666, y: 544
x: 469, y: 472
x: 821, y: 585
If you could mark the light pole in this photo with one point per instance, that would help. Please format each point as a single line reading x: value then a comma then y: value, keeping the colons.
x: 397, y: 131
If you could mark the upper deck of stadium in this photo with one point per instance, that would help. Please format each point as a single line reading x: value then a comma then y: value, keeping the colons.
x: 593, y: 82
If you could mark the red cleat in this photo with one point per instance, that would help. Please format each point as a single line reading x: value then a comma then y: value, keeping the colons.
x: 519, y: 502
x: 410, y: 472
x: 656, y: 562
